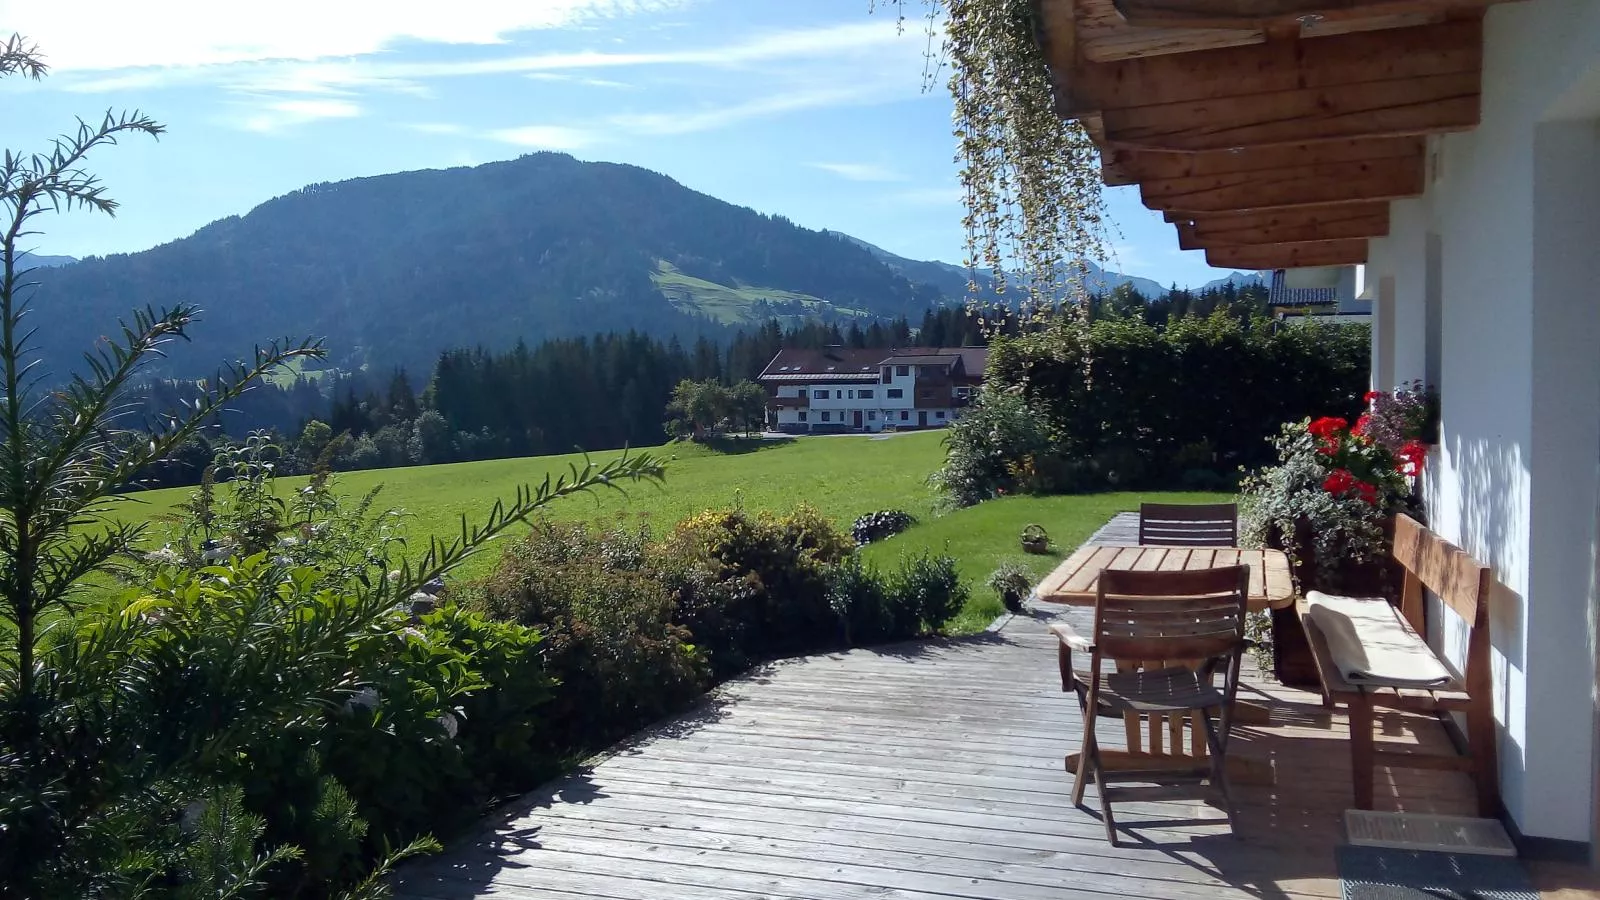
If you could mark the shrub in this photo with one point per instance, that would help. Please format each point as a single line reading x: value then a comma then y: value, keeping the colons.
x: 929, y: 587
x: 875, y: 526
x: 610, y: 639
x: 1119, y: 403
x: 1011, y: 582
x: 871, y: 612
x: 996, y: 446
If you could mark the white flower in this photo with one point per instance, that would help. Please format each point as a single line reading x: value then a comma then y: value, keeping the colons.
x: 394, y: 576
x: 413, y: 631
x: 448, y: 723
x: 166, y: 556
x: 366, y: 698
x: 288, y: 540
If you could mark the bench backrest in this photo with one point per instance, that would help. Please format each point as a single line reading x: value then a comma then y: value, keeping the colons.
x: 1459, y: 581
x: 1189, y: 524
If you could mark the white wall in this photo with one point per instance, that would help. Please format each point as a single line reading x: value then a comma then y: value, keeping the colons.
x: 1512, y: 222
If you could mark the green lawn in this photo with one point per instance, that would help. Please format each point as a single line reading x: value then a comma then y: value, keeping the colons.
x: 983, y: 536
x: 842, y: 476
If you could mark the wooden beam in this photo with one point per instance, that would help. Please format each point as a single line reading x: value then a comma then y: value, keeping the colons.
x: 1405, y: 81
x: 1384, y: 179
x: 1289, y: 256
x: 1304, y: 224
x: 1252, y: 14
x: 1138, y: 165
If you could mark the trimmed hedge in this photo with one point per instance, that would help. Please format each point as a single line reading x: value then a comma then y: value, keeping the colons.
x: 1122, y: 404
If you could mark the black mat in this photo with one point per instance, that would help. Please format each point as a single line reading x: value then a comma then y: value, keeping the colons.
x: 1375, y: 873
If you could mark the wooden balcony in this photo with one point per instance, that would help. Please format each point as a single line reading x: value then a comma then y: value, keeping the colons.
x: 789, y: 402
x: 922, y: 771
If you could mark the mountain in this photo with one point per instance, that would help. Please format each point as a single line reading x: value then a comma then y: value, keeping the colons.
x: 391, y: 270
x: 953, y: 279
x: 27, y: 260
x: 1238, y: 280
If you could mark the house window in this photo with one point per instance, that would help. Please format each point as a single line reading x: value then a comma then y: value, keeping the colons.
x: 827, y: 416
x: 895, y: 393
x: 904, y: 415
x: 802, y: 417
x: 864, y: 394
x: 887, y: 373
x: 852, y: 395
x: 822, y: 395
x: 801, y: 393
x: 902, y: 370
x: 872, y: 415
x: 939, y: 414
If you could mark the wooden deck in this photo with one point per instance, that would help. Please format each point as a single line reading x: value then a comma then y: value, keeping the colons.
x: 915, y: 772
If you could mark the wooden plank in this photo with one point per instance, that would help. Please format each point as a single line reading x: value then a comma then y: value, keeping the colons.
x: 1150, y: 559
x: 1290, y: 256
x: 1258, y: 575
x: 1326, y: 222
x: 1257, y: 14
x: 1143, y: 165
x: 1319, y: 185
x: 1373, y: 63
x: 1176, y: 559
x: 1200, y: 558
x: 1437, y: 104
x: 1083, y: 579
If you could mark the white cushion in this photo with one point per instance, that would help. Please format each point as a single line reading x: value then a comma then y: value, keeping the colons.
x: 1372, y: 645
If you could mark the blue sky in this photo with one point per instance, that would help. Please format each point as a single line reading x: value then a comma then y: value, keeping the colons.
x: 814, y: 110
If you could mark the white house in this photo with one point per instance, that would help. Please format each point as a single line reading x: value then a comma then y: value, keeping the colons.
x: 1453, y: 148
x: 840, y: 389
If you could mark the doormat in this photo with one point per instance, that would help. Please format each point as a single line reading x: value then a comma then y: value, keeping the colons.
x: 1377, y: 873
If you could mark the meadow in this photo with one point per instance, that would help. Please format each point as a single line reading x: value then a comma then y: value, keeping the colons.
x: 842, y: 476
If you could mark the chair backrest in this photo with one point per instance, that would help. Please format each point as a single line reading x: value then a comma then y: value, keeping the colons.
x: 1459, y: 581
x: 1189, y: 615
x: 1189, y: 525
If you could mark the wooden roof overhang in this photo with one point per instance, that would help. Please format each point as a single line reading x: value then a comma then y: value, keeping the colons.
x: 1272, y: 133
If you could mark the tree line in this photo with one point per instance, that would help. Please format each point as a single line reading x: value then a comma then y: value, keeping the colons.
x: 594, y: 393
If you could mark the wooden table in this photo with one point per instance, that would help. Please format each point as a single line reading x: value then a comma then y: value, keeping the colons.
x: 1076, y: 580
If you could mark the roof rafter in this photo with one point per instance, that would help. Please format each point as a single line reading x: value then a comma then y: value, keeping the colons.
x: 1289, y: 256
x: 1340, y: 221
x: 1384, y: 179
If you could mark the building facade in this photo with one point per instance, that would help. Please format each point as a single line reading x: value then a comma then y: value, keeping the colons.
x: 843, y: 390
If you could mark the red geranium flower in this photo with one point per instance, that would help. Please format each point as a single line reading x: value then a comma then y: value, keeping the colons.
x: 1367, y: 492
x: 1413, y: 454
x: 1339, y: 481
x: 1370, y: 396
x: 1360, y: 427
x: 1328, y: 427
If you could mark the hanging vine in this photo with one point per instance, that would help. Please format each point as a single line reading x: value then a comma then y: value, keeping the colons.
x: 1031, y: 179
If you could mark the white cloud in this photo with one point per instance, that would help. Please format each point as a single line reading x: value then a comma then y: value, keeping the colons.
x: 545, y: 137
x: 283, y: 114
x: 170, y: 33
x: 715, y: 117
x: 860, y: 171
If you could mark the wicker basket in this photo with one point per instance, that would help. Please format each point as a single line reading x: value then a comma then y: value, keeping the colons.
x: 1035, y: 540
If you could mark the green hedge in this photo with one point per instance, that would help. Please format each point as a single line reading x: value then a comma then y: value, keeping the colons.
x: 1124, y: 404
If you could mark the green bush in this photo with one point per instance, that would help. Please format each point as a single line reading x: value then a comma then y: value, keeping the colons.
x: 610, y: 639
x: 1121, y: 404
x: 929, y: 587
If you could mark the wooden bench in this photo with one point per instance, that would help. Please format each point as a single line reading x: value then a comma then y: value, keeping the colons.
x: 1461, y: 583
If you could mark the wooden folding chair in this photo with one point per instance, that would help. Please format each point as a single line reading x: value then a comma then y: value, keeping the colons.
x: 1189, y: 524
x: 1170, y: 632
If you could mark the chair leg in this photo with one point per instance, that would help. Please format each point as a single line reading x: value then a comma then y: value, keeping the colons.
x: 1219, y: 763
x: 1105, y: 798
x: 1361, y: 750
x: 1083, y: 752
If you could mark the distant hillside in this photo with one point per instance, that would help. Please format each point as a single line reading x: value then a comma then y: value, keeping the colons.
x: 954, y: 280
x: 393, y: 269
x: 1238, y: 280
x: 36, y: 259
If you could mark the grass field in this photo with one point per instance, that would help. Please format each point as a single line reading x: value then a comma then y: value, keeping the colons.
x: 842, y: 476
x: 730, y: 305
